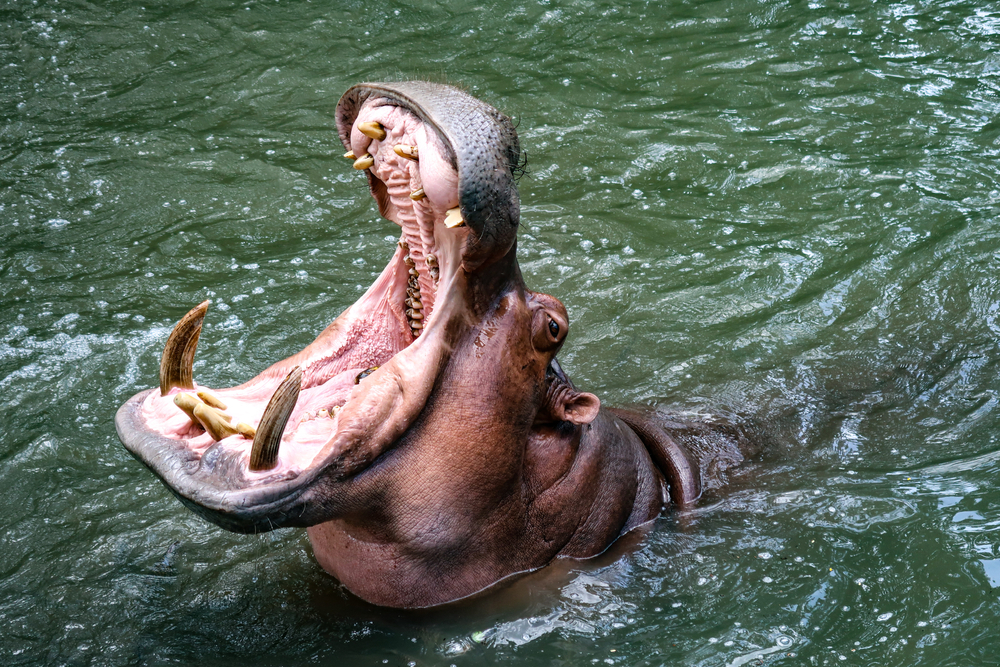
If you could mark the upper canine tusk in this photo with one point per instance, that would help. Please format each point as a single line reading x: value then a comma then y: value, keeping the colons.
x: 267, y: 439
x: 350, y: 155
x: 372, y: 129
x: 178, y: 353
x: 364, y: 162
x: 409, y: 152
x: 454, y: 218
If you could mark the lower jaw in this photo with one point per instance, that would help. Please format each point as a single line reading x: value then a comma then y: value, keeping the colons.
x: 371, y: 333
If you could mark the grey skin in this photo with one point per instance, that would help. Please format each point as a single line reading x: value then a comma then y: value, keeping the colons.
x: 495, y: 464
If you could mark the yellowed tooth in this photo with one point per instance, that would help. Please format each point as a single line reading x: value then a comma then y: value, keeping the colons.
x: 213, y: 422
x: 417, y: 194
x: 416, y: 305
x: 409, y: 152
x: 414, y: 314
x: 372, y: 129
x: 246, y: 430
x: 350, y: 155
x: 454, y: 218
x: 364, y: 162
x: 417, y: 325
x: 365, y: 373
x: 187, y: 403
x: 211, y: 399
x: 324, y: 414
x: 431, y: 260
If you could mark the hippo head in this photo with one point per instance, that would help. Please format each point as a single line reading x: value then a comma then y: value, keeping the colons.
x: 423, y: 408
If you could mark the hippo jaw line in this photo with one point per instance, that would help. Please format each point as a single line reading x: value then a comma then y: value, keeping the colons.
x: 365, y: 379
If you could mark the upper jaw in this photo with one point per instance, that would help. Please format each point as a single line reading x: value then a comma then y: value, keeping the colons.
x: 476, y: 141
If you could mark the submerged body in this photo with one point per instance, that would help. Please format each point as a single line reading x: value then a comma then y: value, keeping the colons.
x: 428, y: 438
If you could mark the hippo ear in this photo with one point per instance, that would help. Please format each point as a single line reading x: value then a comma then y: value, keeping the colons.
x: 577, y: 407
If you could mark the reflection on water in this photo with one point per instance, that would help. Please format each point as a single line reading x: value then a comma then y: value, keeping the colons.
x: 781, y: 211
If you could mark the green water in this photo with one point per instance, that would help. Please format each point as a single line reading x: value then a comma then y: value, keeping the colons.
x: 786, y: 211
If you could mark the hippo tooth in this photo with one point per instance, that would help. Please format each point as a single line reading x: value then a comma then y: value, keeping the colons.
x: 415, y: 304
x: 364, y: 162
x: 409, y: 261
x: 211, y: 399
x: 431, y: 260
x: 372, y: 129
x: 454, y: 218
x: 178, y: 353
x: 324, y: 413
x: 187, y: 403
x: 417, y: 194
x: 417, y: 325
x: 246, y: 430
x: 434, y: 273
x: 365, y: 373
x: 267, y: 440
x: 409, y: 152
x: 414, y: 314
x: 350, y: 155
x: 213, y: 422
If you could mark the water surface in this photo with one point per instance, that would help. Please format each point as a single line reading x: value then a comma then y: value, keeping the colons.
x: 781, y: 211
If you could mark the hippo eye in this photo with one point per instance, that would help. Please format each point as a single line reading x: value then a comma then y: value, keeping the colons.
x: 554, y: 328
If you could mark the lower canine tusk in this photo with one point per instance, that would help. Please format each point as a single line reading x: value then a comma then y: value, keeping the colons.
x: 178, y: 353
x: 267, y: 439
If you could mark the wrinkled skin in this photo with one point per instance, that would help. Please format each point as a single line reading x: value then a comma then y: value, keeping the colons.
x: 467, y: 456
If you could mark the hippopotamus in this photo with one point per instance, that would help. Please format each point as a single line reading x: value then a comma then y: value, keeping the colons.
x: 428, y: 439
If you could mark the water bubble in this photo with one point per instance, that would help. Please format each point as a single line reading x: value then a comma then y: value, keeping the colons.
x: 885, y: 617
x: 783, y: 641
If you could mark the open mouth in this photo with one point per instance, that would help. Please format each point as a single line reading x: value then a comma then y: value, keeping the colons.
x: 246, y: 457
